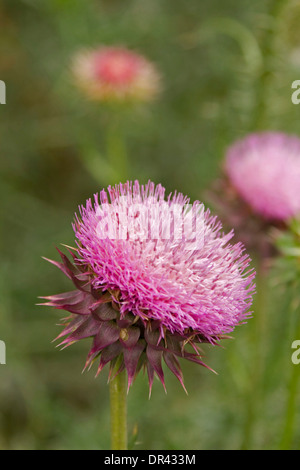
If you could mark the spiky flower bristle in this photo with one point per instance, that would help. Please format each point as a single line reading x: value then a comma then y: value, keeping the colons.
x: 140, y: 342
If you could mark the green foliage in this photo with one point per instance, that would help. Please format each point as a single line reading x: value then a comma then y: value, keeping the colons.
x: 288, y: 244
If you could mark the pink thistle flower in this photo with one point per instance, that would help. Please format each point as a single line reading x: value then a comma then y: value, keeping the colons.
x: 264, y: 168
x: 116, y: 74
x: 154, y: 276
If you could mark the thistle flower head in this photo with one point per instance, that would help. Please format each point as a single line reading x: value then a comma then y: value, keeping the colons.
x: 115, y: 74
x: 264, y: 168
x: 154, y: 276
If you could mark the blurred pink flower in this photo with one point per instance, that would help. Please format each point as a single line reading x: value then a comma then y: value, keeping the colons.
x: 115, y: 73
x: 264, y: 168
x: 153, y: 276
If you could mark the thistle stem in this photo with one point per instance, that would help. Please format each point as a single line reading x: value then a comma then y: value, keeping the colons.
x: 291, y: 407
x: 118, y: 411
x: 261, y: 118
x: 290, y: 416
x: 116, y: 150
x: 257, y: 338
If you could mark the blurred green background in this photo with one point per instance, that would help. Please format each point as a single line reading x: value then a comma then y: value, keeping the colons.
x: 227, y: 69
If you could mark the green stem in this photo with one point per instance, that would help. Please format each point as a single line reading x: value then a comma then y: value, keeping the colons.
x: 110, y: 164
x: 116, y: 150
x: 118, y: 411
x: 288, y: 431
x: 261, y: 117
x: 291, y: 407
x: 257, y: 336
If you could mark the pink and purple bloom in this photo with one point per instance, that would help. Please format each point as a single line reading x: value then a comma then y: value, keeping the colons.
x: 264, y: 169
x: 111, y: 73
x: 154, y: 277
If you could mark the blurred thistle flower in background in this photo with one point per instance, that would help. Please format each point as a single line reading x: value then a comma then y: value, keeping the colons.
x: 259, y: 188
x: 154, y: 277
x: 111, y: 73
x: 265, y: 170
x: 119, y: 79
